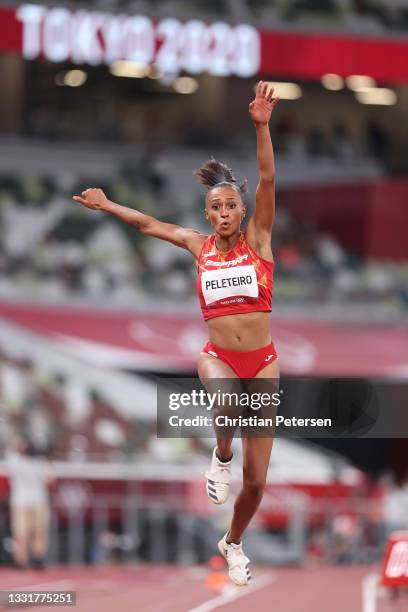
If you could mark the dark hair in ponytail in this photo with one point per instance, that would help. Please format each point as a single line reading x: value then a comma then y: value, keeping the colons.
x: 214, y: 173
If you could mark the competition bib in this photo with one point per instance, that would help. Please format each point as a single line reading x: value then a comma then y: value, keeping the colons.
x: 229, y: 282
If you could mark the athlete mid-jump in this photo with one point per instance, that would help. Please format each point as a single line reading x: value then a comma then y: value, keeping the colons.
x: 236, y: 307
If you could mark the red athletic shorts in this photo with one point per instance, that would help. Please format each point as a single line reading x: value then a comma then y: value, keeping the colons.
x: 246, y: 364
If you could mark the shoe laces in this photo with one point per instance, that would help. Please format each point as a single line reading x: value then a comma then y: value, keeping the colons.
x: 235, y: 550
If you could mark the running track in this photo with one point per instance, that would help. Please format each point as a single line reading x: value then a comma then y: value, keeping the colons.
x: 183, y: 589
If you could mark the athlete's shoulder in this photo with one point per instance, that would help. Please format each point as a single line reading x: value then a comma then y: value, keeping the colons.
x: 194, y: 241
x: 208, y: 240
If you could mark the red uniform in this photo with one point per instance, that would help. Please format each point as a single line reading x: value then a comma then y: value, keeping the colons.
x: 235, y: 282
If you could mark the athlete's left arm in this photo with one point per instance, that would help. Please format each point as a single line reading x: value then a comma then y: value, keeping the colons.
x: 259, y: 228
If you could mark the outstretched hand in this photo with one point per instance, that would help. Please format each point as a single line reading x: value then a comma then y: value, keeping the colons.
x: 92, y: 198
x: 261, y: 108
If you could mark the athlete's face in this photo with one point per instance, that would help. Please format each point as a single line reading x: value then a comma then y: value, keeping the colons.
x: 225, y: 210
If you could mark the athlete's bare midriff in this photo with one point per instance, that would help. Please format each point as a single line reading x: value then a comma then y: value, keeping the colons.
x: 240, y: 332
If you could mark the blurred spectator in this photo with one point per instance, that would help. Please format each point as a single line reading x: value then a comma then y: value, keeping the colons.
x: 331, y: 256
x: 396, y: 506
x: 289, y: 258
x: 344, y: 539
x: 150, y: 169
x: 316, y: 142
x: 29, y: 477
x: 294, y: 7
x: 341, y: 146
x: 378, y: 141
x: 286, y: 135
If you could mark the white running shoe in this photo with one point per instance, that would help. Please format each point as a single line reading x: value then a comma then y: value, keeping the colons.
x: 238, y: 562
x: 218, y: 480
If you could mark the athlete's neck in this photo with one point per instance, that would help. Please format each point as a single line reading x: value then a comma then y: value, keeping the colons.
x: 223, y: 243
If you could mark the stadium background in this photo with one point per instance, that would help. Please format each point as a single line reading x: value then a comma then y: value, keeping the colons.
x: 132, y: 97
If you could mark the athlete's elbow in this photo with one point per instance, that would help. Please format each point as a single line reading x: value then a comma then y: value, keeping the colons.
x: 138, y: 226
x: 268, y: 178
x: 146, y: 226
x: 266, y: 184
x: 148, y: 230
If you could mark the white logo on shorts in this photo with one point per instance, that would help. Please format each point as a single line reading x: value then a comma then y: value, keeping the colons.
x: 212, y: 353
x: 269, y: 357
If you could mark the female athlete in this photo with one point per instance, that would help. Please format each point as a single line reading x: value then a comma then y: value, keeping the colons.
x: 235, y: 271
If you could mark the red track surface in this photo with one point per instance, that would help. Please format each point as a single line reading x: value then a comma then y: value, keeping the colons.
x: 181, y: 589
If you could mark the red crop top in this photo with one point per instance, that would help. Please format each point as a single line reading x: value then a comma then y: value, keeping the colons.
x: 234, y: 281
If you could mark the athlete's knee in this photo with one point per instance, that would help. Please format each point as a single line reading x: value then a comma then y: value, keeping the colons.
x: 255, y: 486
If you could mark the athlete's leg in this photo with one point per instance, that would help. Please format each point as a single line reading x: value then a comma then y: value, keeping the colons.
x: 20, y: 530
x: 40, y: 533
x: 217, y: 377
x: 256, y: 457
x: 210, y: 371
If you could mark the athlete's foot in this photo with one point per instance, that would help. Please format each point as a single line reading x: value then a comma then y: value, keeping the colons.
x: 237, y: 561
x: 218, y: 479
x: 38, y: 563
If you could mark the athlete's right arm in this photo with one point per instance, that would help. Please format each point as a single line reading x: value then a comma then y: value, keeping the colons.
x: 186, y: 238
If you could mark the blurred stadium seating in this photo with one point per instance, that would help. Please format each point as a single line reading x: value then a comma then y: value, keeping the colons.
x: 53, y: 249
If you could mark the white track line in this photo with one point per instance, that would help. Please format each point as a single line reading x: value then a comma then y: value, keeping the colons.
x: 234, y: 593
x: 369, y: 593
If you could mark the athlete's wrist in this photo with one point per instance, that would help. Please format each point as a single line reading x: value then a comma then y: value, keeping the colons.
x: 261, y: 126
x: 107, y: 205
